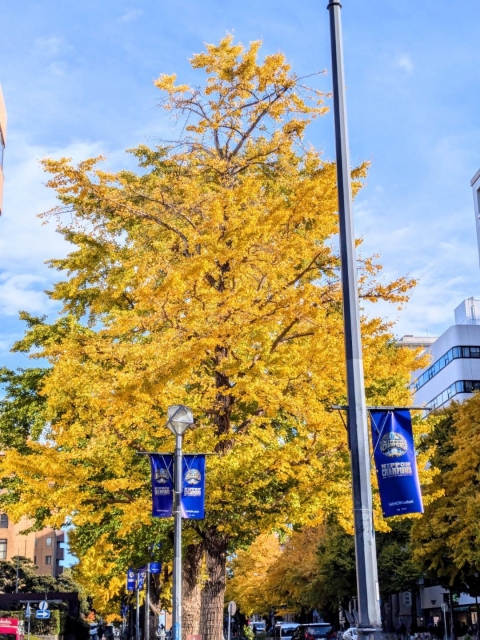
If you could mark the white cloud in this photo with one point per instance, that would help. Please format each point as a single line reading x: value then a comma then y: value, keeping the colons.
x: 21, y: 292
x: 49, y: 46
x: 25, y: 243
x: 404, y: 62
x: 131, y: 16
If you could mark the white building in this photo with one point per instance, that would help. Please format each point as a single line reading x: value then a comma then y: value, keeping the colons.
x: 454, y: 372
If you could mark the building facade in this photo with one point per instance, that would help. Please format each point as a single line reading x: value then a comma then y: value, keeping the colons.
x: 44, y: 548
x: 454, y: 372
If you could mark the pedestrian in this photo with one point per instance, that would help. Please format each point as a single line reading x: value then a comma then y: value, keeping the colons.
x: 100, y: 631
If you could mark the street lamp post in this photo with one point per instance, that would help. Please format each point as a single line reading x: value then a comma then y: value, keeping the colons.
x: 365, y: 550
x: 180, y: 418
x: 137, y: 611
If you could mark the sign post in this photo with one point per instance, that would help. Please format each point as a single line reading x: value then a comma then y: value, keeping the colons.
x: 444, y: 609
x: 28, y: 614
x: 43, y: 612
x: 232, y: 607
x: 137, y: 612
x: 146, y: 633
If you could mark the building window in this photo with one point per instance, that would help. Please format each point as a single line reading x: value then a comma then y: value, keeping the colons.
x: 441, y: 363
x: 48, y: 559
x: 49, y: 542
x: 3, y: 521
x: 3, y: 549
x: 34, y: 559
x: 460, y: 386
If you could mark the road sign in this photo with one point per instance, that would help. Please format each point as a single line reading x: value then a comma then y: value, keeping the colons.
x: 155, y: 567
x: 43, y: 614
x: 232, y: 607
x: 43, y: 606
x: 28, y: 611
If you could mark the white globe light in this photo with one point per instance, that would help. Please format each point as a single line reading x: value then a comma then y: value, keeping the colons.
x: 179, y: 419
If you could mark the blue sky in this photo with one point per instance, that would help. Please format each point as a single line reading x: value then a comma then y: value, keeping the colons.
x: 77, y: 80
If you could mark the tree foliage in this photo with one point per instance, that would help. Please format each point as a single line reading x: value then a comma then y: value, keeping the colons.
x: 21, y: 573
x: 206, y: 278
x: 447, y: 539
x: 314, y: 568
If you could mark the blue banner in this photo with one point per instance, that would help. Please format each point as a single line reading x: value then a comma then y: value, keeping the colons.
x: 140, y: 580
x: 162, y: 485
x: 395, y: 462
x: 193, y: 487
x: 155, y: 567
x: 130, y: 580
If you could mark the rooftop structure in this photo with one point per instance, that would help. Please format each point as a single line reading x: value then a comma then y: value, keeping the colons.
x: 417, y: 341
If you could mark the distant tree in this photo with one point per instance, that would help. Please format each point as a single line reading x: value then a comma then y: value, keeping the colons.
x: 447, y: 538
x: 249, y: 582
x: 29, y: 581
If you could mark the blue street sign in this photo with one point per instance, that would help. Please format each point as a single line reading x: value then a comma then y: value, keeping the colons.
x: 155, y: 567
x: 43, y: 614
x: 43, y: 605
x: 130, y: 580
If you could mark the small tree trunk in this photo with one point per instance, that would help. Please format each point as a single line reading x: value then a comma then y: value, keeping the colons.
x: 191, y: 588
x: 213, y: 593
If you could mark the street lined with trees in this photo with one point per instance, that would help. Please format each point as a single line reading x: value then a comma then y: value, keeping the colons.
x: 208, y: 278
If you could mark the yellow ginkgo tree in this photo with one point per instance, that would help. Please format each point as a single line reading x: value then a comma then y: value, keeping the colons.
x: 206, y: 278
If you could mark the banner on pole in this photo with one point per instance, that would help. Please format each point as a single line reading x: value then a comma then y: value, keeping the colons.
x: 140, y: 580
x: 162, y: 485
x: 193, y: 487
x: 395, y: 462
x: 130, y: 580
x: 155, y: 567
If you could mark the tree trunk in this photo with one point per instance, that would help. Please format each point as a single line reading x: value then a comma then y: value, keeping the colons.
x: 191, y: 588
x: 213, y: 593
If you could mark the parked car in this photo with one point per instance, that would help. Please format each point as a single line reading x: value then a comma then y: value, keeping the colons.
x: 284, y: 630
x: 314, y: 631
x: 350, y: 634
x: 259, y: 627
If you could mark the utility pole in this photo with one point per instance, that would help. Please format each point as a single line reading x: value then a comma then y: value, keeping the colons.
x: 137, y: 613
x: 365, y: 549
x: 18, y: 571
x: 147, y: 604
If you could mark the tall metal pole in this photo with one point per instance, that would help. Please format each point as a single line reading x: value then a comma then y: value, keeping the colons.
x: 147, y: 605
x: 137, y: 614
x: 365, y: 550
x: 177, y: 543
